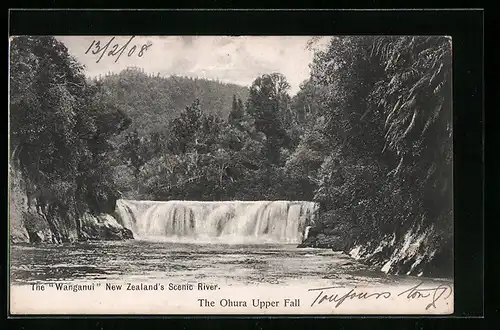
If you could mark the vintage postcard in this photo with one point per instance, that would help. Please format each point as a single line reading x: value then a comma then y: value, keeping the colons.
x: 230, y: 175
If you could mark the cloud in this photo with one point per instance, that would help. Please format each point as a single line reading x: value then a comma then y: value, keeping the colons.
x: 231, y: 59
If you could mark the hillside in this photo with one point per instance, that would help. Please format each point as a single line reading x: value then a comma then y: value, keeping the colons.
x: 152, y: 101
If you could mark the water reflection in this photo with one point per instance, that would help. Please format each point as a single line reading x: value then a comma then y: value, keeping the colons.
x: 143, y: 260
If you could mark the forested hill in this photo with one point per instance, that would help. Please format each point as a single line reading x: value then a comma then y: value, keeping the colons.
x: 151, y: 100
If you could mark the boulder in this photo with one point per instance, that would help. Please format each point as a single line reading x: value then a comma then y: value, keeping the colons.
x: 335, y: 242
x: 103, y: 227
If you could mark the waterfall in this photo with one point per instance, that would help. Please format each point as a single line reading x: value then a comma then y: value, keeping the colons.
x: 227, y: 221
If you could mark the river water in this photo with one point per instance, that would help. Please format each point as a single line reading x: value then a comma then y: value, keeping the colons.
x: 149, y: 260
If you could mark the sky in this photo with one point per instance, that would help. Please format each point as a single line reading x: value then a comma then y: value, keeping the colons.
x: 236, y: 60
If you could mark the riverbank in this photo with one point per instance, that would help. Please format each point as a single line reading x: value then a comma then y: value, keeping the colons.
x: 420, y: 251
x: 30, y: 222
x: 37, y: 229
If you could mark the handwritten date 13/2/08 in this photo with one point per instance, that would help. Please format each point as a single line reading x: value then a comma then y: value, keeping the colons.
x: 114, y: 49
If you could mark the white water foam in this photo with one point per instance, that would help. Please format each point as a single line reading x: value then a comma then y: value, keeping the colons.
x: 233, y: 222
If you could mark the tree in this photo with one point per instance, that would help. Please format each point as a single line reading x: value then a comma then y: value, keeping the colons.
x: 237, y: 110
x: 135, y: 151
x: 59, y: 130
x: 308, y: 102
x: 353, y: 161
x: 415, y: 97
x: 185, y: 128
x: 267, y: 103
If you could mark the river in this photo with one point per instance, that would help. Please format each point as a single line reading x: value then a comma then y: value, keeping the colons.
x: 149, y: 260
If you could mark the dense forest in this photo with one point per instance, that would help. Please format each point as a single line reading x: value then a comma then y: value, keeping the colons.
x: 368, y: 136
x: 150, y: 100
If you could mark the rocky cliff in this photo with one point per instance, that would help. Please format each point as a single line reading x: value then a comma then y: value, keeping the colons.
x: 421, y: 250
x: 31, y: 224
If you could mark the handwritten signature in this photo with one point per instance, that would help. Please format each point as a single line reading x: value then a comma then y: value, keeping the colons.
x: 415, y: 292
x: 98, y: 48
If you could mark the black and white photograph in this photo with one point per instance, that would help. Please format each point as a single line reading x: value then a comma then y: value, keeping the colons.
x: 231, y: 174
